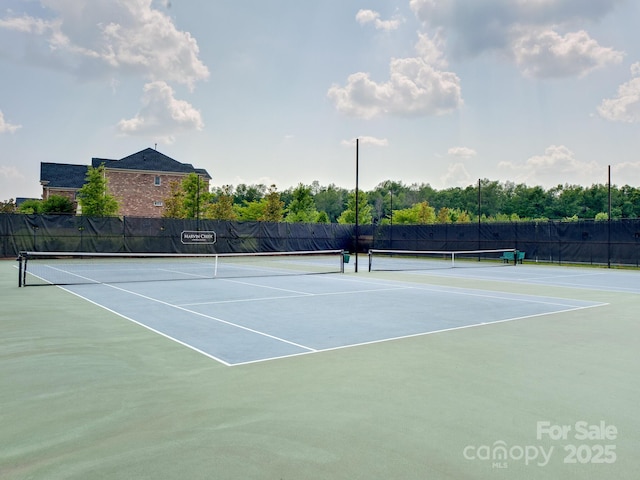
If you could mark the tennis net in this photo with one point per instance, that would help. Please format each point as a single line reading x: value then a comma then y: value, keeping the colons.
x: 405, y: 260
x: 72, y: 268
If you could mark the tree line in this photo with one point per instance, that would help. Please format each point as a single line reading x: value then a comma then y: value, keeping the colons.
x: 389, y: 202
x: 398, y: 203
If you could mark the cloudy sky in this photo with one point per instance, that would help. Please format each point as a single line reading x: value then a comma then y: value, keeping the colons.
x: 444, y: 92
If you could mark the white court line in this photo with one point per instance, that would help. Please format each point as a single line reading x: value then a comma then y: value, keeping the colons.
x: 284, y: 297
x: 414, y: 335
x: 241, y: 327
x: 213, y: 357
x: 390, y: 286
x: 520, y: 297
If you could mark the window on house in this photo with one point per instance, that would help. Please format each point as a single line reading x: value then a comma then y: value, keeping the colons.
x: 158, y: 203
x: 157, y: 182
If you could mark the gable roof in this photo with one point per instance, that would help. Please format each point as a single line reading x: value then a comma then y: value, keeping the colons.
x: 149, y: 159
x: 62, y: 175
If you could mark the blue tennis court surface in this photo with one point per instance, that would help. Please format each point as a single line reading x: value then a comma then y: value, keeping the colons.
x: 601, y: 279
x: 240, y: 321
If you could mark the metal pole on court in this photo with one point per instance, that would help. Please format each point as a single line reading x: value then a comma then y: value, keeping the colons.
x: 198, y: 205
x: 357, y: 210
x: 479, y: 206
x: 609, y: 221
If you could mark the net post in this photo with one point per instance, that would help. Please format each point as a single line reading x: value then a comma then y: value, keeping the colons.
x: 453, y: 259
x: 20, y: 266
x: 342, y: 254
x: 370, y: 255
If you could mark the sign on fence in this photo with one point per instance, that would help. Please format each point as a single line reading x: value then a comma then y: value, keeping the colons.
x: 194, y: 237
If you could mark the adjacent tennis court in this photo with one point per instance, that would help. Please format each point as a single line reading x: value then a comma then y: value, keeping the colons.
x: 427, y: 373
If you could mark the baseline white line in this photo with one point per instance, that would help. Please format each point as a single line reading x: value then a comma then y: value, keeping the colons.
x: 421, y: 334
x: 213, y: 357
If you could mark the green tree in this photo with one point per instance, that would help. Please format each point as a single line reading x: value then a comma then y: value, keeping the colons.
x: 274, y: 207
x: 332, y: 200
x: 30, y: 206
x: 58, y: 204
x: 251, y: 211
x: 302, y: 207
x: 94, y: 196
x: 196, y: 196
x: 223, y: 208
x: 248, y: 193
x: 421, y: 213
x: 364, y: 210
x: 445, y: 215
x: 174, y: 203
x: 8, y: 206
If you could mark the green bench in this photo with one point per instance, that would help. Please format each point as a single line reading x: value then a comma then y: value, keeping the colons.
x: 508, y: 257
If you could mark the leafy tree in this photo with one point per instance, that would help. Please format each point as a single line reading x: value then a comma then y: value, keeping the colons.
x: 302, y: 207
x: 30, y: 206
x: 174, y: 203
x: 461, y: 216
x: 332, y: 200
x: 248, y: 193
x: 8, y: 206
x: 251, y: 211
x: 445, y: 215
x: 223, y: 209
x: 364, y: 210
x: 421, y: 213
x: 94, y: 196
x: 323, y: 217
x: 58, y: 204
x: 196, y: 196
x: 274, y: 207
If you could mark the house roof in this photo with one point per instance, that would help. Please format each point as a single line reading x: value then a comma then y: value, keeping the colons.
x: 149, y: 159
x: 62, y: 175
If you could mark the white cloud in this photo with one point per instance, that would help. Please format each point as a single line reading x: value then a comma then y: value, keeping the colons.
x: 370, y: 16
x: 161, y: 115
x: 456, y: 175
x: 558, y: 165
x: 546, y: 54
x: 415, y: 88
x: 625, y: 106
x: 461, y: 152
x: 525, y: 31
x: 6, y: 127
x: 101, y: 37
x: 373, y: 141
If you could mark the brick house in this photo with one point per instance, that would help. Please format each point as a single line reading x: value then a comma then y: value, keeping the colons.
x: 141, y: 182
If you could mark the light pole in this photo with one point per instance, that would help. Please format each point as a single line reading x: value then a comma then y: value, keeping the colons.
x: 391, y: 221
x: 198, y: 203
x: 357, y: 211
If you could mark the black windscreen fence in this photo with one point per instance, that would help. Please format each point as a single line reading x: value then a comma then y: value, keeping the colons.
x: 592, y: 242
x: 67, y: 233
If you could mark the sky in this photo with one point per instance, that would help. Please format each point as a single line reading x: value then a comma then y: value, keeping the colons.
x: 439, y: 92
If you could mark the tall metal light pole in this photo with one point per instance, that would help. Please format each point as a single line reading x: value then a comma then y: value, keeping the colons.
x: 198, y: 203
x: 479, y: 208
x: 357, y: 204
x: 391, y: 220
x: 609, y: 221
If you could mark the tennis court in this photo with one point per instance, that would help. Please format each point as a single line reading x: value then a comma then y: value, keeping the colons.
x: 434, y: 373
